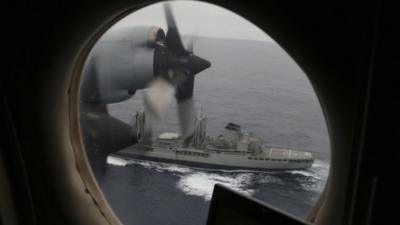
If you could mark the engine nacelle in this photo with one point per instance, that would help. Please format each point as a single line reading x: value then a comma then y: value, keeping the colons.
x: 120, y: 63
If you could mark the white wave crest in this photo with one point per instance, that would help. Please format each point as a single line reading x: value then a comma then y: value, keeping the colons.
x: 318, y: 171
x: 196, y: 182
x: 117, y: 161
x: 321, y: 168
x: 159, y: 166
x: 202, y: 184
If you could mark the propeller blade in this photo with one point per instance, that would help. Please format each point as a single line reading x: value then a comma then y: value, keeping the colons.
x: 190, y: 46
x: 173, y: 38
x: 186, y: 116
x: 160, y: 94
x: 194, y: 39
x: 157, y: 97
x: 186, y: 109
x: 184, y: 65
x: 184, y: 90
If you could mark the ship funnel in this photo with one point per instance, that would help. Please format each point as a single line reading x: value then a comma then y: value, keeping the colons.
x: 232, y: 126
x: 232, y: 132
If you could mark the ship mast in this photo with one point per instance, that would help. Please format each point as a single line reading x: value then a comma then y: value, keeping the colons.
x: 199, y: 135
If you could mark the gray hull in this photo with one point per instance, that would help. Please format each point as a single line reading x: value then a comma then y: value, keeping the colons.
x: 268, y: 159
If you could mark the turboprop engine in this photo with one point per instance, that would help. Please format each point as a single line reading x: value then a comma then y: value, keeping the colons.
x: 121, y: 62
x: 130, y: 58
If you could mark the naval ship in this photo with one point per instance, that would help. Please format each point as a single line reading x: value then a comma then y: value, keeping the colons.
x: 234, y: 149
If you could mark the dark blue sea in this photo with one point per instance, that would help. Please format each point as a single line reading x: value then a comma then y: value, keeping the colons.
x: 251, y: 83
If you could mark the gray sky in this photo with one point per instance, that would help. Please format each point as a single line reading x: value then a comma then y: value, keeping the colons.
x: 199, y: 19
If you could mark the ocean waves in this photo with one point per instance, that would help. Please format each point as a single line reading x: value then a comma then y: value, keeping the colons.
x: 200, y: 182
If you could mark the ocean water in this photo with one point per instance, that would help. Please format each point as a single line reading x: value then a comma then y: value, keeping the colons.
x: 254, y: 84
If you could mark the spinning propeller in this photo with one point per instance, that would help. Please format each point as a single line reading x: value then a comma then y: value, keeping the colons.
x: 175, y: 69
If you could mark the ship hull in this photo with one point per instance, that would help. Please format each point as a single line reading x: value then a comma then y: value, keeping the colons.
x: 216, y: 160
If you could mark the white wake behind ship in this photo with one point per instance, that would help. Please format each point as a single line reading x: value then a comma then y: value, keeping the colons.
x: 234, y: 149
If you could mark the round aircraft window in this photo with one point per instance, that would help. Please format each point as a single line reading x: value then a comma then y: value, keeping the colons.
x: 180, y: 96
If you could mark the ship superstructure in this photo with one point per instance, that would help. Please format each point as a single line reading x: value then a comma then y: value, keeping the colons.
x: 234, y: 149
